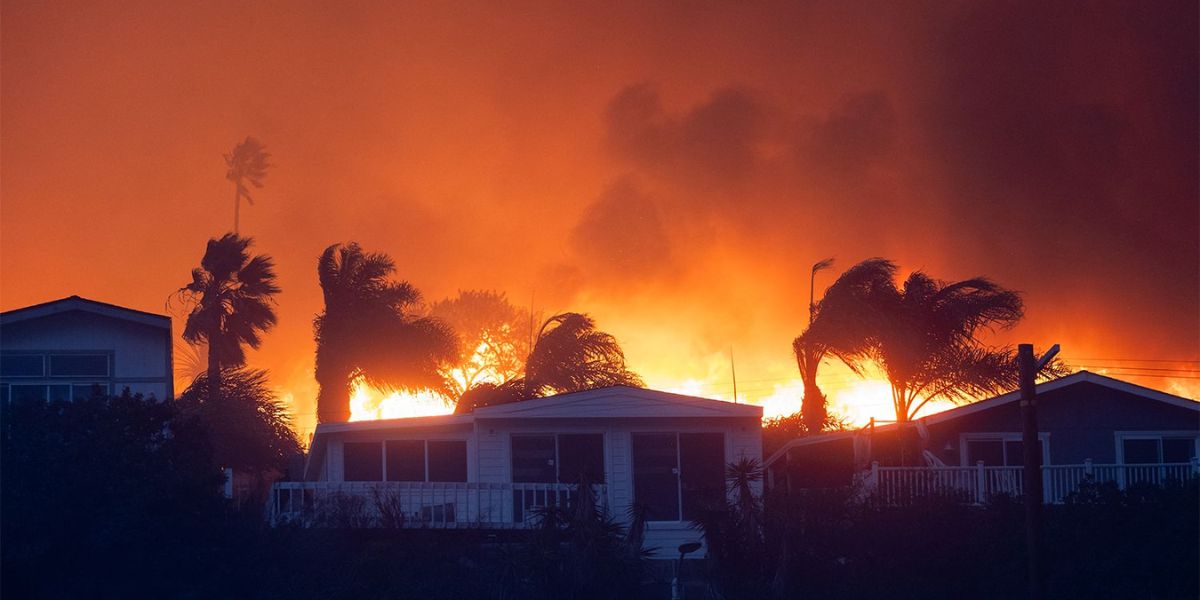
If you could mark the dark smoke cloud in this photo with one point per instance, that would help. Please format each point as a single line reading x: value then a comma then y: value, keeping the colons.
x: 621, y: 237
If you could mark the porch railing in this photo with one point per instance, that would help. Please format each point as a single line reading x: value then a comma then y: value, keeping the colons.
x: 420, y: 505
x: 894, y: 486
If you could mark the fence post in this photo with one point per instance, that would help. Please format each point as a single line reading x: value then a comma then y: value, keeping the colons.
x: 980, y: 482
x: 1195, y: 464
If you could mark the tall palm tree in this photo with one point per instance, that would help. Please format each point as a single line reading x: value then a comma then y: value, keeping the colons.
x: 924, y: 336
x: 840, y: 323
x: 247, y: 165
x: 369, y: 329
x: 232, y: 294
x: 569, y: 355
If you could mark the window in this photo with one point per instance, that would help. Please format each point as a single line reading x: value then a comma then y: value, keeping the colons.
x: 581, y: 456
x: 999, y: 449
x: 678, y: 476
x: 362, y: 461
x: 533, y: 459
x: 27, y: 393
x: 448, y: 461
x: 563, y: 458
x: 406, y: 460
x: 79, y: 365
x: 83, y: 391
x: 22, y: 365
x: 701, y: 472
x: 1152, y: 448
x: 60, y: 393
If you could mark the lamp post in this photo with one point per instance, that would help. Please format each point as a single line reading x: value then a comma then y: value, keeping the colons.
x: 676, y: 586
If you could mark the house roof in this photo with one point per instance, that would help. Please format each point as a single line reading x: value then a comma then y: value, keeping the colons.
x: 76, y: 303
x: 617, y: 401
x: 1061, y: 382
x: 993, y: 402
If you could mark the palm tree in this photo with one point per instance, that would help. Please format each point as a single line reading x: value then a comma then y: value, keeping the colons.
x: 840, y: 323
x: 569, y: 355
x: 924, y: 337
x: 247, y: 164
x: 368, y: 329
x: 233, y: 304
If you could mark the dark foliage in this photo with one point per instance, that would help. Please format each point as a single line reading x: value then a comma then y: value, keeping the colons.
x: 777, y: 431
x: 1106, y: 543
x: 248, y: 427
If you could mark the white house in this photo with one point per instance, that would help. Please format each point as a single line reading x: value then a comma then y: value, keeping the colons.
x: 74, y: 347
x: 493, y: 468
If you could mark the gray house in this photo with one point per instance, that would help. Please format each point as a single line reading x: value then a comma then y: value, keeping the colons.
x: 1091, y: 426
x: 74, y: 347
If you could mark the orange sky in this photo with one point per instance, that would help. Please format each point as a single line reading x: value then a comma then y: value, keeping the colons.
x: 672, y: 169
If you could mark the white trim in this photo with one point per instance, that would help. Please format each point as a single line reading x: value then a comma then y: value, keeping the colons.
x: 1000, y: 436
x: 1119, y: 438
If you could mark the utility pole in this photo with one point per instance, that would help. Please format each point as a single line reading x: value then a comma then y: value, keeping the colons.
x: 1028, y: 368
x: 733, y: 372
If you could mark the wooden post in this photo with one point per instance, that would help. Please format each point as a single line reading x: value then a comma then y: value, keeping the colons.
x: 1032, y: 471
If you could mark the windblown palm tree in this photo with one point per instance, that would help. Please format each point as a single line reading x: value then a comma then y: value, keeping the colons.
x: 924, y: 337
x: 842, y: 323
x: 368, y: 329
x: 569, y: 355
x: 233, y: 304
x: 247, y: 165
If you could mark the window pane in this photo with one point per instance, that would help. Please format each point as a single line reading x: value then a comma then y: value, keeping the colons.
x: 701, y: 472
x: 1014, y: 453
x: 448, y: 461
x: 533, y: 459
x: 28, y: 393
x: 79, y: 365
x: 406, y: 460
x: 363, y: 461
x: 581, y: 455
x: 991, y: 452
x: 1178, y: 450
x: 83, y: 391
x: 21, y: 365
x: 1140, y: 452
x: 60, y: 393
x: 655, y: 482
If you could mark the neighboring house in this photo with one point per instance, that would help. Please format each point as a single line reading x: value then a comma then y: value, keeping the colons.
x: 75, y: 347
x: 1091, y: 426
x: 495, y: 467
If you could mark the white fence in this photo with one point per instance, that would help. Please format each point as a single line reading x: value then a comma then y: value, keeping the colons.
x: 419, y: 505
x: 902, y: 485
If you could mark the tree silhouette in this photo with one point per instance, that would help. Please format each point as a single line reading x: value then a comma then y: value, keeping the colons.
x: 923, y: 335
x: 841, y: 323
x: 247, y: 165
x: 369, y: 329
x: 232, y: 298
x: 492, y: 342
x: 251, y: 431
x: 568, y: 355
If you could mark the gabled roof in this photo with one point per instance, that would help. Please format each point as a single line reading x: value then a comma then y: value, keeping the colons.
x: 619, y: 402
x: 75, y: 303
x: 1061, y: 382
x: 993, y: 402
